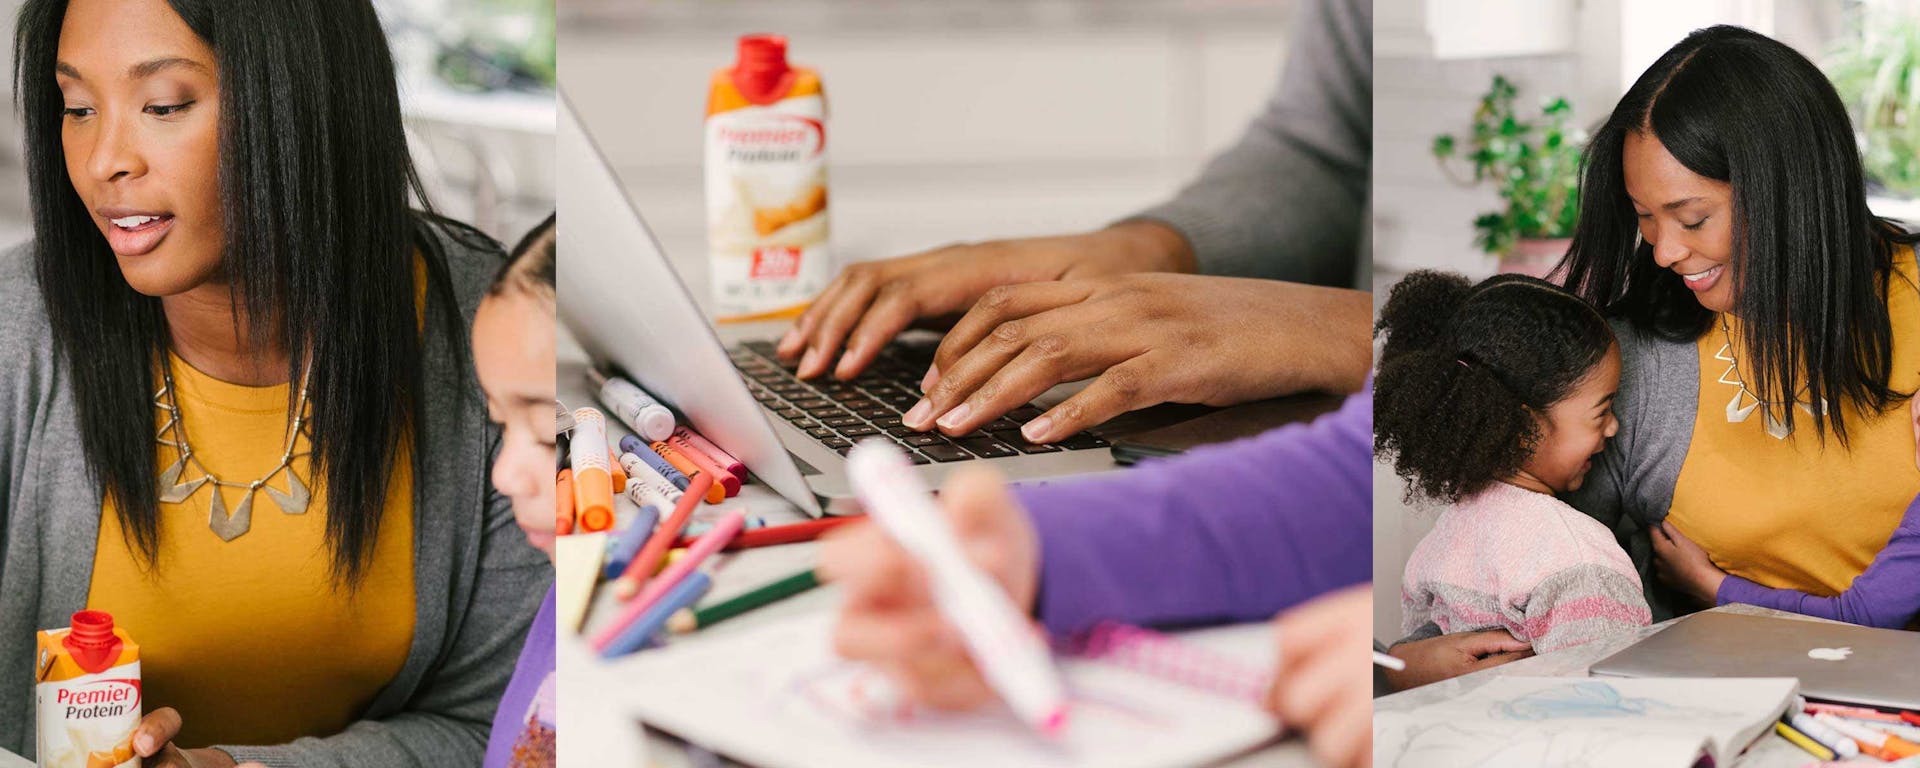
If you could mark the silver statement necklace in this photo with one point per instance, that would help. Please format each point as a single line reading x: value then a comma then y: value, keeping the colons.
x: 1738, y: 409
x: 175, y: 487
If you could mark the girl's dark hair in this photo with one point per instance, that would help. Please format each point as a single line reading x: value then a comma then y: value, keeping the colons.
x: 530, y: 266
x: 320, y: 247
x: 1811, y: 263
x: 1465, y: 370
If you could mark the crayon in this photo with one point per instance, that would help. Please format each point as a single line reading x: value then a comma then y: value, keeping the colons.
x: 716, y: 491
x: 1825, y: 736
x: 644, y: 483
x: 706, y: 464
x: 725, y: 460
x: 664, y: 468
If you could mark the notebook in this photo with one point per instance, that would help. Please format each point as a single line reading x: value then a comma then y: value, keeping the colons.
x: 1582, y: 721
x: 777, y: 696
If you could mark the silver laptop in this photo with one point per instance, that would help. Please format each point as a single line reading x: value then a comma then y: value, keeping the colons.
x: 1835, y: 662
x: 631, y: 313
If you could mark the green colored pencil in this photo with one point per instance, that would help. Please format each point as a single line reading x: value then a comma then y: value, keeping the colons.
x: 689, y: 619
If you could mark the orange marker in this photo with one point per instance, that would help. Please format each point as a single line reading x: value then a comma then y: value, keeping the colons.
x: 592, y: 479
x: 563, y: 492
x: 716, y: 492
x: 619, y: 472
x: 648, y: 561
x: 706, y: 463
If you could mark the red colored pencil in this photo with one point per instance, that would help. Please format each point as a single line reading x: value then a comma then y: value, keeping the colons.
x: 780, y: 534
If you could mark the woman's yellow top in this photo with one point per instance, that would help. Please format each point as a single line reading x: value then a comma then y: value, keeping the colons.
x: 1792, y: 513
x: 251, y: 639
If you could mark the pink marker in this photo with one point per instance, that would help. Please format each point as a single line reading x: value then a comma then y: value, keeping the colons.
x: 723, y: 532
x: 998, y: 636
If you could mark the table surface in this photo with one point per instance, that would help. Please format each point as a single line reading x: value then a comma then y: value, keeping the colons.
x: 1771, y: 751
x: 737, y: 572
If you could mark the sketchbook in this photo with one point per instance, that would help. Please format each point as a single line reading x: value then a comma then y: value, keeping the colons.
x: 1583, y: 721
x: 777, y: 696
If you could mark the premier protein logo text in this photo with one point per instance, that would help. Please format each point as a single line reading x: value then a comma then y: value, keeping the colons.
x: 106, y: 698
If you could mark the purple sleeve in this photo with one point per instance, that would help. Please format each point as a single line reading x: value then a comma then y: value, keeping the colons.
x: 525, y: 725
x: 1224, y: 533
x: 1886, y: 594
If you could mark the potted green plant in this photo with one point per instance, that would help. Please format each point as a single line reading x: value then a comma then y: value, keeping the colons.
x: 1534, y: 164
x: 1877, y: 72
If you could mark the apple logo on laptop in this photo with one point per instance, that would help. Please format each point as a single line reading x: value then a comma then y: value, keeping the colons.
x: 1830, y: 654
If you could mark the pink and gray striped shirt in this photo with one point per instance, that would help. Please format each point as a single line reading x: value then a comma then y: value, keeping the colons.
x: 1509, y: 558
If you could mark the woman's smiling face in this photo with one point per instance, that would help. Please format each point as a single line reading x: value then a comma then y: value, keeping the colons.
x: 141, y: 135
x: 1686, y: 217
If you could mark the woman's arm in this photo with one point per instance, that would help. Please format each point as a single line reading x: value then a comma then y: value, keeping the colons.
x: 1233, y: 532
x: 1886, y: 594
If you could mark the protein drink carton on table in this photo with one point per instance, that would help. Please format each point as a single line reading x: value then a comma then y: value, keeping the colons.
x: 88, y: 692
x: 766, y: 170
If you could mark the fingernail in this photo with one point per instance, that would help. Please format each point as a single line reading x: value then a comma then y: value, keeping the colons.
x: 933, y: 375
x: 143, y: 743
x: 916, y: 417
x: 956, y: 417
x: 1037, y: 429
x: 845, y: 369
x: 807, y: 362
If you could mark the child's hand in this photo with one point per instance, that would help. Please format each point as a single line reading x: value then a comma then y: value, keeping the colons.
x: 1683, y: 565
x: 887, y: 616
x: 1449, y: 656
x: 1324, y: 683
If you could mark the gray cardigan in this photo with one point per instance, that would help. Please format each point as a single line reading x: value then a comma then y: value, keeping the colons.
x: 1630, y: 488
x: 477, y: 583
x: 1289, y: 200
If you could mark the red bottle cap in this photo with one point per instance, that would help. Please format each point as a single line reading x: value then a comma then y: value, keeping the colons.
x: 760, y: 70
x: 91, y: 641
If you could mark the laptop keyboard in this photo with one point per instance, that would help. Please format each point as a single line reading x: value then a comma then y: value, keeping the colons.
x: 839, y: 413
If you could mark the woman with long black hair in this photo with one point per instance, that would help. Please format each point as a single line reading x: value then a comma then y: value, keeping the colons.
x: 237, y: 406
x: 1769, y: 324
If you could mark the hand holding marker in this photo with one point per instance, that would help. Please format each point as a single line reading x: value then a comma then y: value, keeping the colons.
x: 998, y: 636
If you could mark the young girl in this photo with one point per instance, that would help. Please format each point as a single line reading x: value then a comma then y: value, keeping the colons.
x: 1492, y: 398
x: 513, y: 356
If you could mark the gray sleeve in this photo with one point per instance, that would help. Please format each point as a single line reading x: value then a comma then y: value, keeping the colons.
x: 1288, y: 201
x: 447, y: 721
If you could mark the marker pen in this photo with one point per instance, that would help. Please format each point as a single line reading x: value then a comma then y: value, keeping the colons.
x: 634, y: 407
x: 666, y: 469
x: 644, y: 483
x: 998, y: 636
x: 592, y: 481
